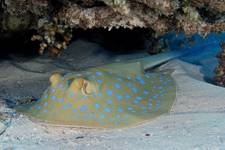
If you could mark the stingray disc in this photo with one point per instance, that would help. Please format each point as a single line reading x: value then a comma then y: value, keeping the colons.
x: 98, y: 98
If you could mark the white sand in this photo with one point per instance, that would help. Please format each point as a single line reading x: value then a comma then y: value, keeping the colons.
x: 196, y: 121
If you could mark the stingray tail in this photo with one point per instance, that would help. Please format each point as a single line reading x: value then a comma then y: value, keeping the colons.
x: 156, y: 60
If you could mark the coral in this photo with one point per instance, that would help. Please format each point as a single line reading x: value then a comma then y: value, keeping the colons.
x: 162, y: 16
x: 53, y: 35
x: 16, y: 15
x: 220, y: 69
x: 212, y: 5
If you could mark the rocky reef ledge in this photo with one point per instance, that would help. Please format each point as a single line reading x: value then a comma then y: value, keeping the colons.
x: 161, y: 16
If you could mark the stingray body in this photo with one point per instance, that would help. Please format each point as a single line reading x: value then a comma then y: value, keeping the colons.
x: 111, y: 96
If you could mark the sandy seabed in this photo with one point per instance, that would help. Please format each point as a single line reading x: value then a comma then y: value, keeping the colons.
x: 196, y: 121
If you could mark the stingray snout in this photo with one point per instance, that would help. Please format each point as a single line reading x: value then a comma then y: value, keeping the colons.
x: 55, y: 78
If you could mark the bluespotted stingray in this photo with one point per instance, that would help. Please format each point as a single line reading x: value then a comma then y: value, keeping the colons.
x: 117, y: 95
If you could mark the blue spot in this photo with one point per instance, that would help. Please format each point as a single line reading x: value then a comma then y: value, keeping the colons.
x: 127, y: 96
x: 39, y: 107
x: 129, y: 108
x: 87, y: 73
x: 109, y: 101
x: 84, y: 96
x: 146, y: 92
x: 154, y: 87
x: 45, y: 96
x: 165, y: 83
x: 120, y: 109
x: 169, y: 80
x: 60, y: 86
x: 150, y: 105
x: 102, y: 116
x: 70, y: 105
x: 98, y: 73
x: 97, y: 105
x: 138, y: 78
x: 129, y: 78
x: 135, y: 101
x: 134, y: 90
x: 45, y: 111
x: 111, y: 119
x: 117, y: 85
x: 107, y: 109
x: 155, y: 96
x: 109, y: 93
x: 88, y: 116
x: 53, y: 90
x: 74, y: 110
x: 142, y: 82
x: 53, y: 97
x: 83, y: 108
x: 139, y: 98
x: 72, y: 94
x: 160, y: 87
x: 46, y: 104
x: 129, y: 85
x: 119, y: 97
x: 100, y: 81
x: 61, y: 100
x: 161, y: 80
x: 64, y: 107
x: 99, y: 94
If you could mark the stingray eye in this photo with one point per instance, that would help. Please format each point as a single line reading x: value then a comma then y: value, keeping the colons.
x: 86, y: 87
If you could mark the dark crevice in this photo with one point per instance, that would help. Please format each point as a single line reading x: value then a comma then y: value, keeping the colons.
x: 90, y: 4
x: 208, y: 16
x: 117, y: 40
x: 19, y: 44
x: 81, y: 3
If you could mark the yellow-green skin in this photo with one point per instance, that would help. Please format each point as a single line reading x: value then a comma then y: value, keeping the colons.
x: 104, y: 97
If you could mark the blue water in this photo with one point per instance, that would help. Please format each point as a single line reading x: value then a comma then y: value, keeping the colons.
x: 203, y: 51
